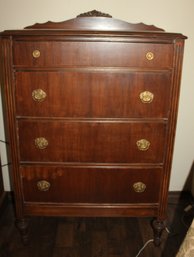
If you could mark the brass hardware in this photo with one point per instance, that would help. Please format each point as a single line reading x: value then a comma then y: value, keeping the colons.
x: 139, y: 187
x: 36, y: 53
x: 41, y: 142
x: 38, y: 95
x: 146, y: 97
x: 43, y: 185
x: 149, y: 56
x: 143, y: 144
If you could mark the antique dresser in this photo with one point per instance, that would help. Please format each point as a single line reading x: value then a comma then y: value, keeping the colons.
x: 91, y: 106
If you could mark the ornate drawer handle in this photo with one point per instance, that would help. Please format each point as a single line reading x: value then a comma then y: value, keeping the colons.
x: 143, y: 144
x: 149, y: 56
x: 43, y: 185
x: 41, y: 142
x: 38, y: 95
x: 139, y: 187
x: 146, y: 97
x: 36, y: 53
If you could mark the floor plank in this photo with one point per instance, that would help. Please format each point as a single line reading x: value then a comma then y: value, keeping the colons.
x: 93, y: 237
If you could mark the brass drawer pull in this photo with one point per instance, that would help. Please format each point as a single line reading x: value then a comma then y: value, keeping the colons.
x: 36, y: 53
x: 43, y: 185
x: 143, y: 144
x: 146, y: 97
x: 139, y: 187
x: 149, y: 56
x: 41, y: 142
x: 38, y: 95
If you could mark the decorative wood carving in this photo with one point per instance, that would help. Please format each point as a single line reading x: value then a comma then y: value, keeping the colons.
x: 94, y: 13
x: 94, y: 20
x: 95, y: 23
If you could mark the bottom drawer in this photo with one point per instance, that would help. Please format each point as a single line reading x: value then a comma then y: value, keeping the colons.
x: 90, y: 184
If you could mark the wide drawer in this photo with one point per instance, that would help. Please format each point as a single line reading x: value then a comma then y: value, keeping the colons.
x: 103, y: 54
x: 91, y: 141
x: 101, y: 94
x: 90, y: 185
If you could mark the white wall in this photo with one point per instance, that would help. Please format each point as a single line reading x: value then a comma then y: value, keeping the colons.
x: 173, y: 16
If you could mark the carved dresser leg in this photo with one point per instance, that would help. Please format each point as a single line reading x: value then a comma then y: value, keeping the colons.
x: 22, y: 225
x: 158, y: 227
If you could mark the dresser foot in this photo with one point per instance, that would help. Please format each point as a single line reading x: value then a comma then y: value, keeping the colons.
x: 22, y: 225
x: 158, y: 227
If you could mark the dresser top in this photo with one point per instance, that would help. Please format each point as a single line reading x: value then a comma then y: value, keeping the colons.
x: 93, y: 22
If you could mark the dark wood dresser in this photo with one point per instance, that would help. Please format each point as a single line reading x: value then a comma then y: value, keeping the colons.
x: 91, y: 106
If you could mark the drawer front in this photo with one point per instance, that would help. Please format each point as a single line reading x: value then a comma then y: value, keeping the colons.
x: 90, y: 185
x: 103, y: 54
x: 97, y: 141
x: 93, y: 94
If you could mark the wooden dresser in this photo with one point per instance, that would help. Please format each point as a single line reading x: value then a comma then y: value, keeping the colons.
x: 91, y: 106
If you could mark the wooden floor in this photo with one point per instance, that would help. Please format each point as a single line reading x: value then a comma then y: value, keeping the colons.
x: 93, y: 237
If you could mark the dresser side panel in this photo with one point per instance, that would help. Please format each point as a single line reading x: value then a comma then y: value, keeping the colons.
x: 171, y: 128
x: 8, y: 91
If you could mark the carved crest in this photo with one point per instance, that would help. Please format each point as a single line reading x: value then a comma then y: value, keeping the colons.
x: 94, y: 13
x: 94, y: 20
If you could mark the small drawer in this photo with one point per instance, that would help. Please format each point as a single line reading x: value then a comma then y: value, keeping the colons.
x: 91, y: 141
x: 109, y: 94
x: 93, y: 54
x: 90, y: 185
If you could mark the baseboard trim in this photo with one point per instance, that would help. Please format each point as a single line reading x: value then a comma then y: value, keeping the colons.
x: 175, y: 197
x: 179, y: 196
x: 7, y: 198
x: 3, y: 200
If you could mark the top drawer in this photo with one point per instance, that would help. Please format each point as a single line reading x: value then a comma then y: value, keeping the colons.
x: 95, y: 54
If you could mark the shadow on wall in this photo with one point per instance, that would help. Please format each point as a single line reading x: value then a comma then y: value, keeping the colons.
x: 189, y: 183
